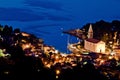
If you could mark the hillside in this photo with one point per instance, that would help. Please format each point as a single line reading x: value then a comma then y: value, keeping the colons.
x: 102, y: 27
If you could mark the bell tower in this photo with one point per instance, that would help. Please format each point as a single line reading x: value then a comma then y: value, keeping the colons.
x: 90, y: 32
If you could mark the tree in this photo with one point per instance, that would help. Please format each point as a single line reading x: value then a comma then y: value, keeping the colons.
x: 105, y: 37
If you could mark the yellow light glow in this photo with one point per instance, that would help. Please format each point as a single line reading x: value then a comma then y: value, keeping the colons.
x: 48, y: 65
x: 57, y: 72
x: 45, y: 62
x: 74, y: 64
x: 57, y: 57
x: 112, y: 53
x: 101, y: 47
x: 110, y: 57
x: 56, y: 77
x: 27, y: 46
x: 25, y: 34
x: 101, y: 62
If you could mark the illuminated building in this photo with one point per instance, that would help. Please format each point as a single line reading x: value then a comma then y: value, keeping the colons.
x: 94, y: 45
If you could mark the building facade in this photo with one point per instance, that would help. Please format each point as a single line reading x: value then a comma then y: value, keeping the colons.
x: 94, y: 45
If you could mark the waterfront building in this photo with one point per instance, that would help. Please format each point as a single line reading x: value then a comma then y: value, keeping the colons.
x: 94, y: 45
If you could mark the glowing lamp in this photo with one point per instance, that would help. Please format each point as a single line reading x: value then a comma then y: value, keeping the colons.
x: 57, y: 72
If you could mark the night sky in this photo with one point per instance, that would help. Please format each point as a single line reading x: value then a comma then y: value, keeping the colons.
x: 48, y: 18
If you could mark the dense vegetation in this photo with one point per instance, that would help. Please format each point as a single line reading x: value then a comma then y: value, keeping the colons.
x: 101, y: 28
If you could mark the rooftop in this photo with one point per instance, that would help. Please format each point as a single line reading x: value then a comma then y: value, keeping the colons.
x: 93, y: 40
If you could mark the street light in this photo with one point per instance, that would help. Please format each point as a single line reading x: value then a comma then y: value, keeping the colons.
x: 57, y: 73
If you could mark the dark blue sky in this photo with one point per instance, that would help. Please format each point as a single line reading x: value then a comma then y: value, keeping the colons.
x: 47, y: 18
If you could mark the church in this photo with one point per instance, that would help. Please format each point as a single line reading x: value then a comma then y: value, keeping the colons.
x: 93, y: 45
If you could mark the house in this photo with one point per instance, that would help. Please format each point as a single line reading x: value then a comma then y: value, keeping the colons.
x: 94, y: 45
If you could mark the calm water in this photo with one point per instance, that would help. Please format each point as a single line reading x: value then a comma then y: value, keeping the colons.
x: 53, y: 36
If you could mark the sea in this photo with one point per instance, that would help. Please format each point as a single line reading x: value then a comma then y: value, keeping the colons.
x: 54, y: 36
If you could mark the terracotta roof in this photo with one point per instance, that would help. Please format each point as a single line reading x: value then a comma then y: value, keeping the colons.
x: 93, y: 40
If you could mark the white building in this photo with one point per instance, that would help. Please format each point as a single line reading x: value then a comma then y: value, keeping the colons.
x: 94, y: 45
